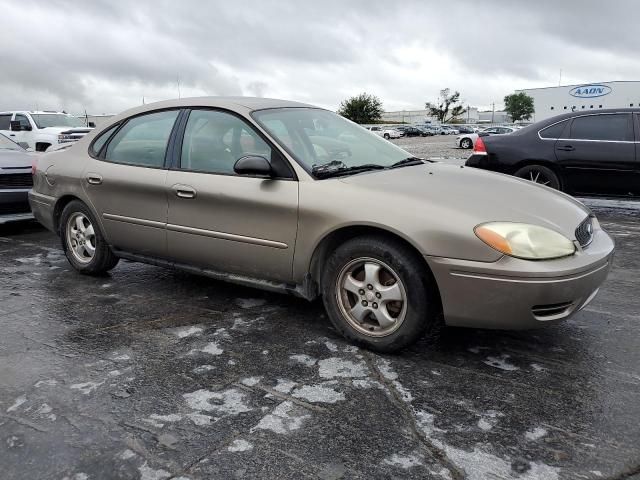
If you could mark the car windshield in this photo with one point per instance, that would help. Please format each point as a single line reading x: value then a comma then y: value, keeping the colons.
x: 6, y: 144
x: 318, y: 137
x: 44, y: 120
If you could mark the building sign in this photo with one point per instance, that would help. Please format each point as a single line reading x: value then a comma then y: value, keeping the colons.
x: 590, y: 91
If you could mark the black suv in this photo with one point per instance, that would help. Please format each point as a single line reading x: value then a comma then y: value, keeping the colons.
x: 586, y: 153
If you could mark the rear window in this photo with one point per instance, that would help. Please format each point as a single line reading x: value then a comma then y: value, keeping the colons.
x: 553, y: 131
x: 99, y: 142
x: 614, y: 127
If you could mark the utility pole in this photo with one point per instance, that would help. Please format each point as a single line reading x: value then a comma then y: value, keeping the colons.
x: 178, y: 82
x: 560, y: 79
x: 493, y: 111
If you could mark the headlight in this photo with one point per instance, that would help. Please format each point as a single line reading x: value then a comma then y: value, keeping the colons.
x: 522, y: 240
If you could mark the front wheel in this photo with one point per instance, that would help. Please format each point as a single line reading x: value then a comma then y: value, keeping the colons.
x: 378, y: 294
x: 82, y: 241
x: 540, y: 174
x: 386, y: 136
x: 466, y: 143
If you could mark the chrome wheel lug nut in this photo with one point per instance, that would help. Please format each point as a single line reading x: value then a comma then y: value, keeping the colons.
x: 378, y: 295
x: 365, y: 303
x: 375, y: 305
x: 370, y: 287
x: 361, y: 291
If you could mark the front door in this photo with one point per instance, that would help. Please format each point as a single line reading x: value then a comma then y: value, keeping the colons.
x: 597, y: 155
x: 126, y: 184
x: 227, y: 222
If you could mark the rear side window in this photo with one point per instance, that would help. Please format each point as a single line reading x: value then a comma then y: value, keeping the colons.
x: 615, y: 127
x: 5, y: 122
x: 24, y: 121
x: 99, y: 142
x: 143, y: 140
x: 554, y: 131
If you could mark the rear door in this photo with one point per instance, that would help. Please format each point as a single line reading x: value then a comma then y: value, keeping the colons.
x: 125, y: 182
x: 223, y: 221
x: 598, y: 155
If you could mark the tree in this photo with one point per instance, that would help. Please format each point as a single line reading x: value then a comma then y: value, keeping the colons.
x: 363, y: 108
x: 519, y: 106
x: 447, y: 107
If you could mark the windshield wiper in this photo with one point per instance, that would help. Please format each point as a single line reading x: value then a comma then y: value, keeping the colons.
x: 337, y: 168
x: 407, y: 162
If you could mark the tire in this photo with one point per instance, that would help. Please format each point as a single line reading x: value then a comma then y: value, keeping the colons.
x: 540, y: 174
x: 83, y: 242
x: 357, y: 278
x: 386, y: 136
x: 466, y: 143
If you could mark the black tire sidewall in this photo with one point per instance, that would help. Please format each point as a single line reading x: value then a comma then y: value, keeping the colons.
x: 421, y: 312
x: 555, y: 181
x: 466, y: 143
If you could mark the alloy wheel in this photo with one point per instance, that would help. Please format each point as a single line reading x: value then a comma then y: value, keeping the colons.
x: 371, y: 297
x: 81, y: 237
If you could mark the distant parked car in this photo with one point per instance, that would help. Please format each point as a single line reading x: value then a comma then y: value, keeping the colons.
x: 465, y: 129
x: 40, y: 130
x: 410, y: 131
x: 448, y: 130
x: 431, y: 129
x: 15, y: 181
x: 579, y: 153
x: 386, y: 132
x: 468, y: 140
x: 426, y: 131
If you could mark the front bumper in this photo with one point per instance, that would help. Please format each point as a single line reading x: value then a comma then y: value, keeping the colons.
x: 516, y: 294
x: 14, y: 205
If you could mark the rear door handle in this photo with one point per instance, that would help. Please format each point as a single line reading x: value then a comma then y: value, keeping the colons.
x: 566, y: 148
x: 94, y: 179
x: 184, y: 191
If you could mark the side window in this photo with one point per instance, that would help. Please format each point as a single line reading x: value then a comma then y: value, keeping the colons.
x: 554, y: 131
x: 214, y: 141
x: 615, y: 127
x: 99, y: 142
x: 143, y: 140
x: 5, y: 122
x: 24, y: 121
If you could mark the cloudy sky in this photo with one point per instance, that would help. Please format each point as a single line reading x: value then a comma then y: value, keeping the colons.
x: 106, y: 55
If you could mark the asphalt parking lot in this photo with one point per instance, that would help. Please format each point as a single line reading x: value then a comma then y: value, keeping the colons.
x: 156, y: 374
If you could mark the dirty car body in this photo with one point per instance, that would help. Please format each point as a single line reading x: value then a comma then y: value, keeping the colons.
x: 289, y: 197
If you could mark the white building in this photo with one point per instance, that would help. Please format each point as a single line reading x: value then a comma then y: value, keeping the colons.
x: 551, y: 101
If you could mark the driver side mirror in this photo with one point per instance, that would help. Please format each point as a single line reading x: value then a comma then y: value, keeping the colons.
x: 253, y: 165
x: 16, y: 126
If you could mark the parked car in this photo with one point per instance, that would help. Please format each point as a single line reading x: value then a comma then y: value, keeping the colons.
x: 40, y: 130
x: 386, y: 132
x: 15, y: 181
x: 410, y: 131
x: 468, y: 140
x: 244, y: 190
x: 427, y: 131
x: 430, y: 129
x: 448, y: 130
x: 465, y: 129
x: 579, y: 153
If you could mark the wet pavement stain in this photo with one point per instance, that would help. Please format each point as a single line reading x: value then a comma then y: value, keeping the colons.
x: 152, y: 373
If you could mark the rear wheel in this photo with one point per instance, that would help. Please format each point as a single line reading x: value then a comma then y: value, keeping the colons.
x: 540, y: 174
x: 386, y: 136
x: 466, y: 143
x: 82, y: 241
x: 378, y: 294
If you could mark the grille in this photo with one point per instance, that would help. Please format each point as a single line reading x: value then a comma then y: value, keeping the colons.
x: 16, y: 180
x: 584, y: 232
x: 14, y: 207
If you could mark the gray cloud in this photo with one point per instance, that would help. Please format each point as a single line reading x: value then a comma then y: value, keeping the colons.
x: 106, y: 56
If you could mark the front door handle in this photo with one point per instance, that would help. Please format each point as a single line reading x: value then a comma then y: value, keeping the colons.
x: 566, y: 148
x: 94, y: 179
x: 184, y: 191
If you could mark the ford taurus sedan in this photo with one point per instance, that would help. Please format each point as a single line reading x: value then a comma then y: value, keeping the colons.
x: 288, y: 197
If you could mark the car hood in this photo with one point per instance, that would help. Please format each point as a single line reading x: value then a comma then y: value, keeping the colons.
x: 15, y: 159
x: 453, y: 199
x: 65, y: 130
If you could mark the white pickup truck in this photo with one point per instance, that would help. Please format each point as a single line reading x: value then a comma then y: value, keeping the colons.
x: 40, y: 130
